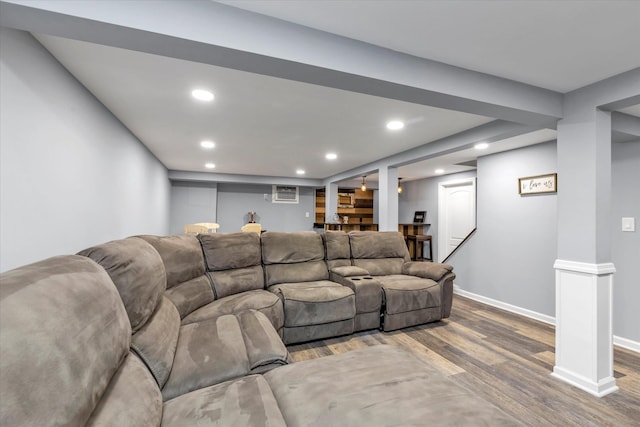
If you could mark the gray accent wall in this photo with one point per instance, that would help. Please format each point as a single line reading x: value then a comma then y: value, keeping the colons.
x: 625, y: 248
x: 510, y: 258
x: 236, y: 200
x: 192, y: 202
x: 71, y: 175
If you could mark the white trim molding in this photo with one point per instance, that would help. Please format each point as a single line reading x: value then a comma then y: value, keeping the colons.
x: 622, y: 342
x: 583, y: 267
x: 584, y: 326
x: 505, y: 306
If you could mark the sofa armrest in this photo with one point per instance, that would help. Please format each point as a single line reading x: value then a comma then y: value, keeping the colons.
x: 349, y: 271
x: 427, y: 270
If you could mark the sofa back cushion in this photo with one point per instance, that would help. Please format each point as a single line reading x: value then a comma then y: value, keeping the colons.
x: 155, y: 343
x: 64, y: 334
x: 234, y: 262
x: 380, y: 253
x: 188, y: 287
x: 293, y: 257
x: 181, y: 255
x: 337, y: 248
x: 132, y: 399
x: 136, y: 269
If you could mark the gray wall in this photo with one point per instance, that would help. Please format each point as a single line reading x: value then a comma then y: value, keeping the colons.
x: 71, y: 175
x: 626, y: 245
x: 511, y: 256
x: 190, y: 203
x: 514, y: 249
x: 236, y: 200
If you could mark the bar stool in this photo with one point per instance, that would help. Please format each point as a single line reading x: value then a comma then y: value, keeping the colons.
x: 418, y: 246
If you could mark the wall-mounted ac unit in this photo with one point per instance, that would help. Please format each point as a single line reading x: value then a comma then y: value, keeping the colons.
x: 285, y: 194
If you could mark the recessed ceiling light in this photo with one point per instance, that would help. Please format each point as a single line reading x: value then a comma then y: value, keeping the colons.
x: 300, y: 172
x: 202, y: 95
x: 395, y: 125
x: 481, y: 146
x: 207, y: 144
x: 210, y: 166
x: 331, y: 156
x: 439, y: 171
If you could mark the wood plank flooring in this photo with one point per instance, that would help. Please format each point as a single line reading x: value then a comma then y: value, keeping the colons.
x: 505, y: 359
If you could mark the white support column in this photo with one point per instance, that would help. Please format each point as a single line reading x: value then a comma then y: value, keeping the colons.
x: 584, y: 272
x: 388, y: 199
x: 330, y: 201
x: 584, y: 343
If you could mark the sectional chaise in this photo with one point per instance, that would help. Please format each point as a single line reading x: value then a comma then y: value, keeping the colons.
x: 191, y: 330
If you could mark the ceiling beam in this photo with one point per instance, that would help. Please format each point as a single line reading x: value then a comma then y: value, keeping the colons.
x: 225, y: 36
x: 625, y: 124
x: 228, y: 178
x: 490, y: 132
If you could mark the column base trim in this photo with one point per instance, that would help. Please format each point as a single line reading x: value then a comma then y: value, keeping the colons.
x: 601, y: 388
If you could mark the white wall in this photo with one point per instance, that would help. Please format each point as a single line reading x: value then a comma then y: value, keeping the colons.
x: 71, y: 175
x: 192, y: 202
x: 625, y: 249
x: 236, y: 200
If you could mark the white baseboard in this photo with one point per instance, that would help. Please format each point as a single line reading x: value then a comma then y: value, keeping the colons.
x: 626, y: 343
x: 619, y: 341
x: 503, y: 305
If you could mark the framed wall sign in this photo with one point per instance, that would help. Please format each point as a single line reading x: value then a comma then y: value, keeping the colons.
x: 538, y: 184
x: 419, y: 216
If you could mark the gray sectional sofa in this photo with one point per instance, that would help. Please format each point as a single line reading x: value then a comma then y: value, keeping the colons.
x: 185, y: 330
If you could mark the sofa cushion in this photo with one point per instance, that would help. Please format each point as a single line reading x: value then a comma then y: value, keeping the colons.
x: 291, y: 248
x: 376, y: 386
x: 315, y: 303
x: 374, y: 244
x: 226, y: 251
x: 155, y: 343
x: 263, y: 301
x: 337, y: 245
x: 380, y: 266
x: 208, y: 353
x: 309, y: 271
x: 132, y: 398
x: 242, y: 402
x: 407, y: 293
x: 181, y: 255
x: 64, y: 334
x: 238, y: 280
x: 190, y: 296
x: 136, y: 269
x: 265, y: 349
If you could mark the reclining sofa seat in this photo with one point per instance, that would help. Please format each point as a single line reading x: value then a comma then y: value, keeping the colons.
x: 413, y: 293
x: 210, y: 276
x: 65, y: 338
x: 65, y: 341
x: 296, y: 271
x: 183, y: 358
x: 367, y: 290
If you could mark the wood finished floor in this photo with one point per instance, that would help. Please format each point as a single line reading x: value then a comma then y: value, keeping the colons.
x: 505, y: 359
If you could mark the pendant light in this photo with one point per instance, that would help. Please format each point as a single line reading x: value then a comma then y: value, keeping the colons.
x: 363, y: 187
x: 399, y: 186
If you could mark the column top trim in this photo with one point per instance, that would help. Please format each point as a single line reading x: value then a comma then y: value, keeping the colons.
x: 585, y: 267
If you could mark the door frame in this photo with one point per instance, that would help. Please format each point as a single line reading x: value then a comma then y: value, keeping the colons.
x: 442, y: 205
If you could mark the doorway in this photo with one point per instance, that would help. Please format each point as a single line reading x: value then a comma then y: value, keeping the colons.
x: 456, y: 214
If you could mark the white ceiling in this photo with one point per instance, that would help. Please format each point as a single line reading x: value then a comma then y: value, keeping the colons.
x: 270, y: 127
x: 554, y: 44
x: 261, y: 125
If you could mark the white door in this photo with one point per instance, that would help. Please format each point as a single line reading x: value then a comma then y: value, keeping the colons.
x: 456, y: 214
